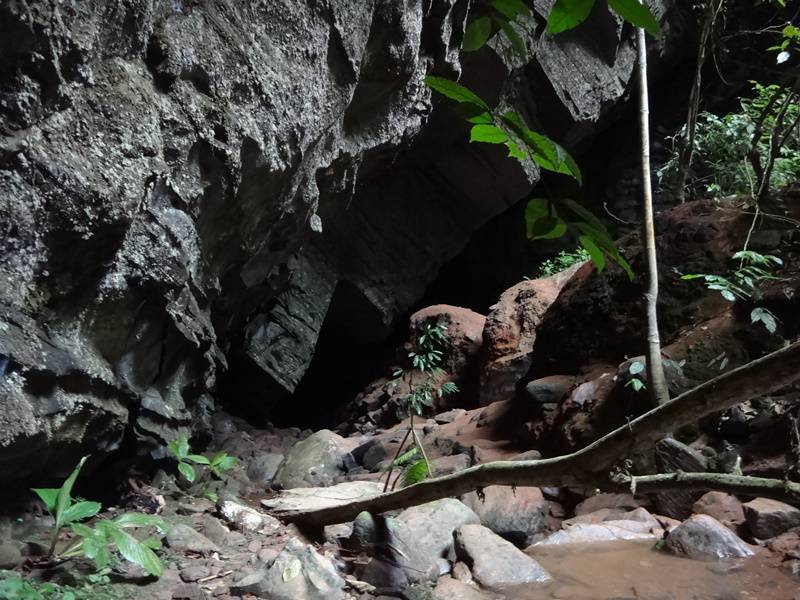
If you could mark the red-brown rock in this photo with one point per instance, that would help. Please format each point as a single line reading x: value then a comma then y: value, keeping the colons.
x: 768, y: 518
x: 725, y: 508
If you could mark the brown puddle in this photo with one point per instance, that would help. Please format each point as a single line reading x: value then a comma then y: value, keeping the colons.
x: 628, y: 570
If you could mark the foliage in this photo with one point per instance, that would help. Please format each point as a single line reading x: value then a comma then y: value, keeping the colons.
x: 568, y: 14
x: 63, y: 507
x: 743, y: 284
x: 563, y: 261
x: 722, y: 145
x: 96, y: 587
x: 489, y: 17
x: 217, y: 465
x: 99, y: 543
x: 426, y: 359
x: 635, y: 369
x: 790, y: 41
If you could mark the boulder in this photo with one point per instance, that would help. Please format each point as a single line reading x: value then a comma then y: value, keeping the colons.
x: 725, y: 508
x: 549, y: 390
x: 316, y: 461
x: 609, y: 531
x: 510, y: 333
x: 518, y: 515
x: 406, y: 548
x: 673, y: 456
x: 308, y: 498
x: 246, y: 518
x: 703, y: 537
x: 297, y: 572
x: 599, y: 501
x: 768, y: 518
x: 261, y: 469
x: 495, y: 562
x: 183, y: 538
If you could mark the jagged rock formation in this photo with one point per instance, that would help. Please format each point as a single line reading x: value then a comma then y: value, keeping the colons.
x: 188, y: 186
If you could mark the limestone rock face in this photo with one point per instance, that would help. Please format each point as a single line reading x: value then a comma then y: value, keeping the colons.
x: 190, y: 189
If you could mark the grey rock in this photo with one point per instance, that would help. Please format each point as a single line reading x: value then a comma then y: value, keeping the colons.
x: 673, y: 456
x: 495, y: 562
x: 448, y: 588
x: 261, y: 469
x: 549, y: 390
x: 10, y: 555
x: 298, y: 571
x: 314, y: 498
x: 315, y: 461
x: 768, y: 518
x: 609, y: 531
x: 183, y: 538
x: 703, y: 537
x: 407, y: 548
x: 517, y: 515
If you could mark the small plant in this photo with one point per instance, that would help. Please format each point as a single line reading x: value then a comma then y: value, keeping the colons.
x: 217, y: 465
x: 107, y: 538
x: 743, y: 283
x: 426, y: 361
x: 95, y: 587
x: 563, y: 261
x: 635, y: 369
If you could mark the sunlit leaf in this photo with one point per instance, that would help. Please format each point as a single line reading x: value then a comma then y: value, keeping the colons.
x: 49, y: 497
x: 637, y: 14
x: 80, y: 511
x: 567, y: 14
x: 489, y: 134
x: 136, y: 552
x: 455, y: 91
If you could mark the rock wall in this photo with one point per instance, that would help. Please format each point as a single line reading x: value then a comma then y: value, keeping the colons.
x: 186, y: 185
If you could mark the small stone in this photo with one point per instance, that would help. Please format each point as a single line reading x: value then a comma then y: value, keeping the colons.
x: 246, y: 518
x: 188, y: 591
x: 254, y: 546
x: 461, y: 572
x: 194, y: 572
x: 448, y: 588
x: 703, y: 537
x: 10, y: 556
x: 183, y: 538
x: 769, y: 518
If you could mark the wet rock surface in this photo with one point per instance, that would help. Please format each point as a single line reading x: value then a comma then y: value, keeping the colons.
x: 703, y: 537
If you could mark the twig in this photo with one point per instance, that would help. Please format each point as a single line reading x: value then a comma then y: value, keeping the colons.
x: 217, y: 576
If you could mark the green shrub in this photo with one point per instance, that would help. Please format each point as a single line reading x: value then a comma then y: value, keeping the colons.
x: 563, y: 261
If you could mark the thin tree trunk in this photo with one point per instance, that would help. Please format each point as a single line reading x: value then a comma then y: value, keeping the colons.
x: 593, y: 465
x: 656, y: 381
x: 686, y: 152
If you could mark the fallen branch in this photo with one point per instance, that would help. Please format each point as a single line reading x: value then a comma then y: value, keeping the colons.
x: 777, y: 489
x: 590, y: 466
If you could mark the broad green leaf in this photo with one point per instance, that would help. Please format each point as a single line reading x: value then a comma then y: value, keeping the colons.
x: 598, y: 258
x: 489, y: 134
x: 477, y: 34
x: 636, y: 13
x: 544, y: 151
x: 223, y: 462
x: 64, y: 494
x: 587, y: 216
x: 473, y: 114
x: 515, y: 151
x: 136, y: 552
x: 416, y: 472
x: 292, y: 570
x: 187, y: 471
x: 80, y: 511
x: 198, y: 459
x: 455, y: 91
x: 728, y: 295
x: 547, y: 228
x: 133, y: 519
x: 49, y: 497
x: 152, y: 543
x: 180, y: 447
x: 567, y: 14
x: 765, y: 317
x: 511, y: 9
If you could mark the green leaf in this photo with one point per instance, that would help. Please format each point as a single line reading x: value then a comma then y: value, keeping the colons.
x: 597, y: 256
x: 454, y: 91
x: 515, y: 151
x: 727, y: 294
x: 292, y: 570
x: 152, y: 543
x: 64, y: 494
x: 80, y: 511
x: 180, y: 447
x: 136, y: 552
x: 637, y: 14
x: 187, y: 471
x: 133, y: 519
x: 477, y: 34
x: 489, y: 134
x: 415, y: 473
x: 473, y: 114
x: 544, y: 151
x: 85, y: 531
x: 198, y: 459
x: 213, y: 496
x: 764, y: 316
x: 223, y: 462
x: 547, y: 228
x: 567, y: 14
x: 49, y: 497
x: 511, y: 9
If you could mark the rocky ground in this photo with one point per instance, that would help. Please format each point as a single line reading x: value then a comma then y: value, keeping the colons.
x: 501, y: 542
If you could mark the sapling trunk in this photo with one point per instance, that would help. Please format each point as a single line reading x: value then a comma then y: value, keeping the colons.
x: 656, y: 381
